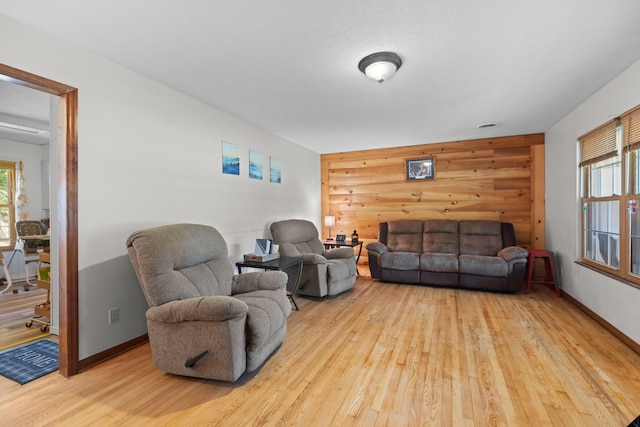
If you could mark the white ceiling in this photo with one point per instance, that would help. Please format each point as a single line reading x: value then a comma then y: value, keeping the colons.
x: 24, y: 107
x: 290, y: 66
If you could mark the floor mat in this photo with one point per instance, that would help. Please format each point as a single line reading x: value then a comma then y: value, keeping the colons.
x: 24, y: 364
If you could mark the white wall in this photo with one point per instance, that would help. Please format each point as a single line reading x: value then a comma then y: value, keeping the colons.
x: 149, y: 155
x: 612, y: 300
x: 31, y: 156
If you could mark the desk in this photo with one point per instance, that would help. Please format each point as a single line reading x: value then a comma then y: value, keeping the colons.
x: 43, y: 311
x: 7, y: 277
x: 290, y: 265
x: 35, y: 237
x: 329, y: 244
x: 39, y: 243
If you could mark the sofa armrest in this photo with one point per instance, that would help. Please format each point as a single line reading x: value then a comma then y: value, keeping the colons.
x: 374, y: 252
x: 256, y: 281
x: 313, y: 259
x: 512, y: 253
x: 213, y: 308
x: 339, y: 253
x: 378, y: 247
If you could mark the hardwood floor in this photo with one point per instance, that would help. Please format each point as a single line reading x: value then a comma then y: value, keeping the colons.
x: 382, y: 354
x: 15, y: 311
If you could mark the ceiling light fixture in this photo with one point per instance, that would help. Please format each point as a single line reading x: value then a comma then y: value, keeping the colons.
x: 380, y: 66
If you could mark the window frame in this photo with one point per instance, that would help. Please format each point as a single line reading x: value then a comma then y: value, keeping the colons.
x: 11, y: 167
x: 629, y: 176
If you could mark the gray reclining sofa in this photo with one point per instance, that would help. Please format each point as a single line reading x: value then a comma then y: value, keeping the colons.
x: 472, y: 254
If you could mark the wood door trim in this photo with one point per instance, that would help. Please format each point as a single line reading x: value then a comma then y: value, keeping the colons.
x: 67, y: 208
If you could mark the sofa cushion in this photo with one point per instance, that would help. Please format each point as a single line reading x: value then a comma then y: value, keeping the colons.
x: 483, y: 265
x: 439, y: 262
x: 480, y: 237
x: 400, y: 260
x: 405, y: 236
x: 440, y: 236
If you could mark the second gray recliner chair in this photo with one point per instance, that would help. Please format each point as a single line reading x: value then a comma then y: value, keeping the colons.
x: 324, y: 272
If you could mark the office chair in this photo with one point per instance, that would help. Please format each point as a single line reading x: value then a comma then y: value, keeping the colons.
x: 32, y: 240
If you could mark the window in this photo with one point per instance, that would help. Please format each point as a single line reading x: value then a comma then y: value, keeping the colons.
x: 7, y: 211
x: 610, y: 191
x: 631, y: 128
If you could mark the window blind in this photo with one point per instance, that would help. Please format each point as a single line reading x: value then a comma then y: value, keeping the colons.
x: 599, y: 144
x: 631, y: 126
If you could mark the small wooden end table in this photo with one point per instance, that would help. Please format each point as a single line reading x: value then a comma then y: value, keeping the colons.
x: 290, y: 265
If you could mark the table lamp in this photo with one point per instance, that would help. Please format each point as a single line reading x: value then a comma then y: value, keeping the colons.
x: 329, y: 221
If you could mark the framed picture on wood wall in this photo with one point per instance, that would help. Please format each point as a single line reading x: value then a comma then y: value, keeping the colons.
x: 420, y: 169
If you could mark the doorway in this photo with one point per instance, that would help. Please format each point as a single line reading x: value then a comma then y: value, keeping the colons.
x: 26, y: 152
x: 66, y: 188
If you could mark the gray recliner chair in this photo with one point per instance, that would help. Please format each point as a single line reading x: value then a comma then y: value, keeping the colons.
x: 205, y: 321
x: 323, y: 272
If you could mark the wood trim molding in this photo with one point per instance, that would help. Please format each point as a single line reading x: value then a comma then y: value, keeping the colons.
x: 602, y: 322
x: 538, y: 222
x: 113, y: 352
x: 67, y: 208
x: 68, y: 221
x: 324, y: 196
x: 23, y: 78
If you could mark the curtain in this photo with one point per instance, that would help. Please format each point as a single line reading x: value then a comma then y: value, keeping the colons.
x: 22, y: 213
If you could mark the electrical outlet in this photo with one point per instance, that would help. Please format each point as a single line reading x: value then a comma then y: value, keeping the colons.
x: 114, y: 315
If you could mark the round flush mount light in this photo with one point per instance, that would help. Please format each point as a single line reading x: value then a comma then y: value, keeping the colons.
x: 487, y: 125
x: 380, y: 66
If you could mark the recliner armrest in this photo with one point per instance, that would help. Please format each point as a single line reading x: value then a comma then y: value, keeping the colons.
x: 378, y: 247
x: 256, y: 281
x: 313, y: 259
x: 213, y: 308
x: 339, y: 253
x: 511, y: 253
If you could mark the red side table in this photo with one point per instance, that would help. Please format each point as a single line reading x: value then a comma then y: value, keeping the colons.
x: 549, y: 269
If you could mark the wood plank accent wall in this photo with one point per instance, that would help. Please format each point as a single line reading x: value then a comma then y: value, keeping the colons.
x: 495, y: 178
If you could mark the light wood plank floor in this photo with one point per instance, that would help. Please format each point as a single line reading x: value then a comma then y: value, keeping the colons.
x: 381, y: 355
x: 15, y: 311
